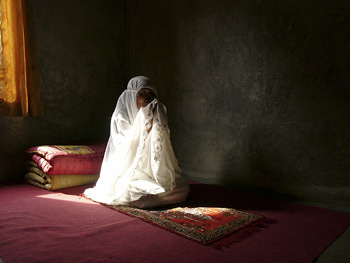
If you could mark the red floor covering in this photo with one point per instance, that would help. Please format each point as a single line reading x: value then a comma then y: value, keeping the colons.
x: 42, y: 226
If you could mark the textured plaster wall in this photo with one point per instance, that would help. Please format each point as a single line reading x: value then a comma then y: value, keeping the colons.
x: 81, y: 51
x: 257, y: 91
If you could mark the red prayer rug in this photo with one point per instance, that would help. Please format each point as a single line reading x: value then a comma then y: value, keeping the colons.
x: 202, y: 224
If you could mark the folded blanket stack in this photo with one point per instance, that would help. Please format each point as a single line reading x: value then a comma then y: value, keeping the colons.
x: 61, y: 166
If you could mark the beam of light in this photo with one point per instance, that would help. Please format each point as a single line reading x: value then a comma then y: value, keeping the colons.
x: 67, y: 197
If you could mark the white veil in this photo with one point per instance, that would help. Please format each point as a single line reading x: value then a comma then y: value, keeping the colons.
x: 139, y: 167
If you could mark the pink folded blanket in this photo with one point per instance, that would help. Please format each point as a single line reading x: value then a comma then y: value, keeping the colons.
x: 68, y: 159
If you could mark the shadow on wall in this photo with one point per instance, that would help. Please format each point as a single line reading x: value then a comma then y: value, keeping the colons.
x: 256, y: 91
x: 295, y: 139
x: 7, y: 109
x: 156, y: 37
x: 261, y: 165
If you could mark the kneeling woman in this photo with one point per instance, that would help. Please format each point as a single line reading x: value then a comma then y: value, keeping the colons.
x: 139, y: 167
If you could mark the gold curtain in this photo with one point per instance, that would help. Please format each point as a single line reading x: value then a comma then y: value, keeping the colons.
x: 19, y: 81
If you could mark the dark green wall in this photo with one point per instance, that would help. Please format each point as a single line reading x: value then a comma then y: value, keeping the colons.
x: 81, y: 51
x: 257, y: 91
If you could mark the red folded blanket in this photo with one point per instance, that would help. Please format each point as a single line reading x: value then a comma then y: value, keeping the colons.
x: 68, y: 159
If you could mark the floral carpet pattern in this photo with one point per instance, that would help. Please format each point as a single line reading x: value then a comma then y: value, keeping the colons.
x: 202, y: 224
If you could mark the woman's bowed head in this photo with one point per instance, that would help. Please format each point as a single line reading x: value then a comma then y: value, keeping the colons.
x: 145, y: 96
x: 139, y: 167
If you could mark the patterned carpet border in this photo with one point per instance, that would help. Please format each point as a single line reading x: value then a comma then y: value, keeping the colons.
x: 166, y: 218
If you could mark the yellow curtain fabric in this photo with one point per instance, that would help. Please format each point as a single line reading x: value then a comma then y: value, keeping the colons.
x: 19, y: 81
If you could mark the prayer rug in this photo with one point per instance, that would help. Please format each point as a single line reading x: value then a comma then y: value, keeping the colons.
x: 202, y: 224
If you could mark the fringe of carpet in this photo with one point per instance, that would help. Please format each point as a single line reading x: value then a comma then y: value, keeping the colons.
x: 248, y: 231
